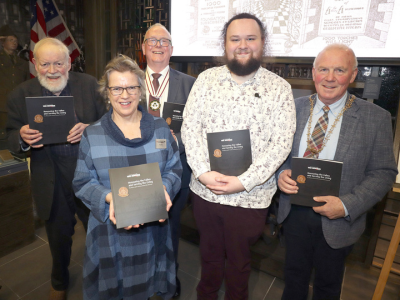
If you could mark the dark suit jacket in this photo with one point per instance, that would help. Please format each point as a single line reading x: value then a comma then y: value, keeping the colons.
x: 180, y: 85
x: 365, y: 147
x: 89, y: 107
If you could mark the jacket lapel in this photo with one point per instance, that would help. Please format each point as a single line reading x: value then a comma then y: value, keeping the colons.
x: 303, y: 113
x: 75, y: 88
x: 347, y: 131
x: 173, y: 85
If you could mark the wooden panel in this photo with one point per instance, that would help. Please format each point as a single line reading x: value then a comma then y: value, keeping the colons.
x: 16, y: 212
x: 386, y: 232
x: 392, y: 206
x: 382, y: 248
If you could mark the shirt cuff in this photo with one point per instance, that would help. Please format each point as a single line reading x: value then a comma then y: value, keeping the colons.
x: 346, y: 212
x: 24, y: 146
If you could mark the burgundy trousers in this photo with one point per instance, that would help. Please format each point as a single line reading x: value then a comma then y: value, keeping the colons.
x: 226, y: 234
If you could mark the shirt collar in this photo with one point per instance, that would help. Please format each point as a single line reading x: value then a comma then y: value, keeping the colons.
x: 334, y: 108
x: 163, y: 72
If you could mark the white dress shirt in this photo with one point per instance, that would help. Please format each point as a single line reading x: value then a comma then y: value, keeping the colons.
x: 164, y: 96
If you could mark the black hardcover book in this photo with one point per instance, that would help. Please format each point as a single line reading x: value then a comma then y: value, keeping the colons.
x: 138, y: 194
x: 230, y: 151
x: 53, y: 116
x: 172, y: 114
x: 315, y: 177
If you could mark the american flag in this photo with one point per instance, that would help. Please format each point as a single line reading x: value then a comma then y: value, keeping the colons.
x: 46, y: 21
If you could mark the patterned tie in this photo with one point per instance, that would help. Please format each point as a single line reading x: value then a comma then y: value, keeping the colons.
x: 318, y: 135
x: 155, y: 102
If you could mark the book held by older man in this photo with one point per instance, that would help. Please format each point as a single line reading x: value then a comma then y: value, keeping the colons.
x: 172, y: 114
x: 138, y: 194
x: 230, y: 151
x: 315, y: 177
x: 53, y: 116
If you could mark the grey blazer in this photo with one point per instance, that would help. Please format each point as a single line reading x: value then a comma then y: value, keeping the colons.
x: 180, y: 85
x: 365, y: 147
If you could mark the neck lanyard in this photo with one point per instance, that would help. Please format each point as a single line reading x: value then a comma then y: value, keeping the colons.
x: 161, y: 88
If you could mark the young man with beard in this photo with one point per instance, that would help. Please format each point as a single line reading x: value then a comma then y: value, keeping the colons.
x: 230, y: 211
x: 53, y: 166
x: 173, y: 86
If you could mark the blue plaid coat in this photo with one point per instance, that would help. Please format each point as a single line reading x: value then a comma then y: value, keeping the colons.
x: 121, y: 264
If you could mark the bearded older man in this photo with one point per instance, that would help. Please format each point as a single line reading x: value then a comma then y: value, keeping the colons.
x: 53, y: 166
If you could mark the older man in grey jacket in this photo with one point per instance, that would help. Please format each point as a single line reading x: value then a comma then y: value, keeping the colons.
x: 352, y: 131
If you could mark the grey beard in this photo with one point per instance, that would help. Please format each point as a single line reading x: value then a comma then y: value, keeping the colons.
x: 53, y: 88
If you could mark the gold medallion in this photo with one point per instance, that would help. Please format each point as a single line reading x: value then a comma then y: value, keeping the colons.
x: 217, y: 153
x: 123, y: 192
x: 155, y: 105
x: 169, y: 121
x: 38, y: 119
x: 301, y: 179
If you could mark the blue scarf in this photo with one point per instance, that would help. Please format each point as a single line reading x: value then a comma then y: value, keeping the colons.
x: 146, y: 128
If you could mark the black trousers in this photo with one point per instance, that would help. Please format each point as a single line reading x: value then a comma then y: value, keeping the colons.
x: 306, y: 248
x: 174, y: 215
x: 60, y: 225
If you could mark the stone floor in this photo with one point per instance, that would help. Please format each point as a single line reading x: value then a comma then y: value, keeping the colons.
x: 25, y: 274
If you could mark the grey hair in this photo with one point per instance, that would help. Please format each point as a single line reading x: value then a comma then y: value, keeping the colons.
x: 121, y: 63
x: 341, y: 47
x: 53, y: 41
x: 158, y: 25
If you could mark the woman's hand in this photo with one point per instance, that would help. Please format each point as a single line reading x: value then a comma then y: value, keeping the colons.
x: 168, y: 200
x: 109, y: 200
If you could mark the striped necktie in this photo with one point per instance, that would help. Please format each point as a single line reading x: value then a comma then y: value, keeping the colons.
x: 318, y: 135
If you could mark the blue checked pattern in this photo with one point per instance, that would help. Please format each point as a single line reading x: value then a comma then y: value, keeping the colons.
x: 122, y: 264
x: 318, y: 135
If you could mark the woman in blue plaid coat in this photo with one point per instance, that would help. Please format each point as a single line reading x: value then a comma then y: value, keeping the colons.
x: 137, y: 261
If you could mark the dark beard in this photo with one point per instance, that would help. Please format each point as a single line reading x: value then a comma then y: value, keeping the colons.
x: 239, y: 69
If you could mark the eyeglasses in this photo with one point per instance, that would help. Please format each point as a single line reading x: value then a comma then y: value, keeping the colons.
x: 131, y: 90
x: 153, y: 42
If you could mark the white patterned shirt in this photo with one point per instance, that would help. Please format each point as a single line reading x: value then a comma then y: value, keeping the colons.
x: 264, y: 105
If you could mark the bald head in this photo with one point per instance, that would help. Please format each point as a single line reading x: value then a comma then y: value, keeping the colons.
x: 341, y: 47
x: 43, y: 43
x: 334, y: 69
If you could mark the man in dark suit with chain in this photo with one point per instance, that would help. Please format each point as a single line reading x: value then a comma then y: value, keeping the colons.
x: 164, y: 84
x: 53, y: 166
x: 333, y: 125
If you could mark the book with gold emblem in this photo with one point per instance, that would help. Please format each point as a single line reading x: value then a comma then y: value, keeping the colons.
x: 53, y: 116
x: 230, y: 151
x: 138, y: 194
x: 315, y: 177
x: 172, y: 114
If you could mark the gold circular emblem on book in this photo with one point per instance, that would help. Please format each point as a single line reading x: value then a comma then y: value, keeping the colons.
x: 301, y: 179
x: 38, y: 119
x: 217, y: 153
x: 123, y: 192
x: 168, y: 120
x: 155, y: 105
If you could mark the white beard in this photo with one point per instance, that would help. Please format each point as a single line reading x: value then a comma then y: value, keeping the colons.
x: 53, y: 87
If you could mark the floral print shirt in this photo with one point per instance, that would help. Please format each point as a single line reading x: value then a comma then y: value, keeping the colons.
x: 264, y: 105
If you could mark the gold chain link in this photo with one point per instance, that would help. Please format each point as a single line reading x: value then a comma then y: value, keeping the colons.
x: 327, y: 137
